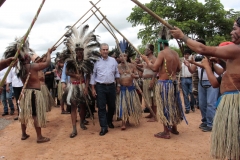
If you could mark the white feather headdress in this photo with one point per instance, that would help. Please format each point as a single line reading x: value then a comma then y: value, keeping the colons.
x: 87, y: 41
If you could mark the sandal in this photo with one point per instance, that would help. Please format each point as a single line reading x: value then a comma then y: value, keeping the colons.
x: 26, y: 137
x: 43, y: 140
x: 72, y: 135
x: 174, y: 132
x: 162, y: 135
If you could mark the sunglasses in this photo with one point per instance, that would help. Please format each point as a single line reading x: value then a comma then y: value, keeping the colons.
x: 238, y: 22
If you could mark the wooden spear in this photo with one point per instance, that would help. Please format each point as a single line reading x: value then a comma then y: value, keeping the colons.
x: 159, y: 19
x: 116, y: 29
x: 66, y: 33
x: 21, y: 45
x: 78, y: 26
x: 135, y: 82
x: 74, y: 25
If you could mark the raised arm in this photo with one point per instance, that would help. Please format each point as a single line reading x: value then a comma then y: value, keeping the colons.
x: 225, y: 52
x: 43, y: 65
x: 5, y: 62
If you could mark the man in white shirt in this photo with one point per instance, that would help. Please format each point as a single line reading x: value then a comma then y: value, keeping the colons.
x: 17, y: 85
x: 6, y: 96
x: 186, y: 83
x: 103, y: 87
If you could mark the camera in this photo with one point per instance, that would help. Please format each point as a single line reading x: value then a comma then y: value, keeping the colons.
x: 198, y: 58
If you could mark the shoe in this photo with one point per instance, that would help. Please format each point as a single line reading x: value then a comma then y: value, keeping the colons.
x: 15, y: 119
x: 202, y: 125
x: 146, y: 110
x: 110, y: 125
x: 206, y: 129
x: 193, y: 108
x: 12, y: 112
x: 103, y: 132
x: 4, y: 114
x: 187, y: 111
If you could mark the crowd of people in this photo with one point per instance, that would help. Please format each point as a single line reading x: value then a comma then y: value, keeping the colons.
x: 117, y: 86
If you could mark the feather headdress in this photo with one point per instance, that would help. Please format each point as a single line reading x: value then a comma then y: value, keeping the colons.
x: 127, y: 49
x: 13, y: 47
x: 23, y: 55
x: 83, y: 40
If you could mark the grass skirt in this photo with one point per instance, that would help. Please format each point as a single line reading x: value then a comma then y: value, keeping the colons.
x: 59, y: 91
x: 48, y: 98
x: 128, y: 104
x: 169, y: 105
x: 74, y: 92
x: 25, y: 105
x: 149, y: 94
x: 225, y: 138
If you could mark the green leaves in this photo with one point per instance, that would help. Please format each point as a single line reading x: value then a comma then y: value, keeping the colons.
x: 208, y: 21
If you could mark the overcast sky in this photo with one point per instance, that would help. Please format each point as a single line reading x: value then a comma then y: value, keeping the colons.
x: 16, y: 16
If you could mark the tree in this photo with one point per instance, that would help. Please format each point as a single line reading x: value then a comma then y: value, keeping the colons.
x: 213, y: 25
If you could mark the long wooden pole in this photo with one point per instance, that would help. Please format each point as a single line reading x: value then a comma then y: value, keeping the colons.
x: 78, y: 26
x: 116, y: 29
x: 66, y: 33
x: 159, y: 19
x: 74, y: 25
x: 21, y: 45
x: 153, y: 14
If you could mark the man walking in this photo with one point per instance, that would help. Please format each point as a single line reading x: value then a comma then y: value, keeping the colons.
x: 103, y: 87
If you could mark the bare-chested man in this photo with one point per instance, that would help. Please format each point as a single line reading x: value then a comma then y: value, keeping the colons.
x: 128, y: 103
x: 225, y: 133
x: 32, y: 104
x: 77, y: 90
x: 169, y: 109
x: 149, y: 80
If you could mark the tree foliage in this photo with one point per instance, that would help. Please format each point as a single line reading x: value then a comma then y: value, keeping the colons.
x: 209, y: 21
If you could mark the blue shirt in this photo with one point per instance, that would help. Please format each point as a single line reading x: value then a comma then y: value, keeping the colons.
x: 64, y: 77
x: 105, y: 71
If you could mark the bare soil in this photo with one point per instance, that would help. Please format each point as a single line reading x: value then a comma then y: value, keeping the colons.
x: 135, y: 143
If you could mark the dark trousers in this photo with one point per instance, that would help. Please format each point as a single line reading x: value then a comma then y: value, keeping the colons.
x: 17, y: 91
x: 106, y: 95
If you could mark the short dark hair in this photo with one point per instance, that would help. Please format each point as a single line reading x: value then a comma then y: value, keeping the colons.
x: 201, y: 41
x: 187, y: 51
x: 151, y: 47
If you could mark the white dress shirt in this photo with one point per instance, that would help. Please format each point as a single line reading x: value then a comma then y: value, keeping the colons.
x: 105, y: 71
x: 12, y: 78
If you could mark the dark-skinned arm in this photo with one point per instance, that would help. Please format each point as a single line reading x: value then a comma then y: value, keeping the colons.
x: 225, y: 52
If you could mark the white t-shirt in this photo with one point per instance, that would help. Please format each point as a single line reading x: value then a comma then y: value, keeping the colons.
x: 204, y: 77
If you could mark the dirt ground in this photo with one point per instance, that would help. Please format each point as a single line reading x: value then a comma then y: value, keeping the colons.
x: 135, y: 143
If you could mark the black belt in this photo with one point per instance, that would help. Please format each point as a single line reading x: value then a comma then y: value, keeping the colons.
x: 105, y: 84
x: 186, y: 77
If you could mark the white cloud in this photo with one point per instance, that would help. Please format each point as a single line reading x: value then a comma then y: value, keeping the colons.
x: 16, y: 16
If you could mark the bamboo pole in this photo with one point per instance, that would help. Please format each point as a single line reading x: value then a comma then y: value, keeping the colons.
x: 66, y: 33
x: 135, y: 82
x: 74, y: 25
x: 159, y: 19
x: 22, y: 42
x: 98, y: 24
x: 116, y: 29
x: 88, y: 18
x: 153, y: 14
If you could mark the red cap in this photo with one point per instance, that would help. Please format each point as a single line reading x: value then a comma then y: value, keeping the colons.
x: 225, y: 43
